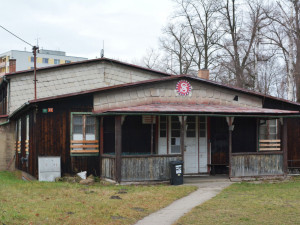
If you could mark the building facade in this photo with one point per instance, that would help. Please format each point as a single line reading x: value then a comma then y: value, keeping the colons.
x: 126, y: 123
x: 15, y: 60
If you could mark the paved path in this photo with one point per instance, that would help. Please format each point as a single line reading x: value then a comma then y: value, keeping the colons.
x: 168, y: 215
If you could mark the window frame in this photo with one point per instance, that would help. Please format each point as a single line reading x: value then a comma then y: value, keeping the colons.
x: 84, y: 115
x: 56, y: 61
x: 267, y: 143
x: 45, y: 60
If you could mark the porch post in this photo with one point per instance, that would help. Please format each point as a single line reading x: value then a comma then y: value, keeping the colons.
x: 284, y: 146
x: 101, y: 145
x: 118, y: 147
x: 182, y: 128
x: 230, y: 128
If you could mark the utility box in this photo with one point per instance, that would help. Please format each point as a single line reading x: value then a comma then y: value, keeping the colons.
x: 176, y: 169
x: 49, y: 168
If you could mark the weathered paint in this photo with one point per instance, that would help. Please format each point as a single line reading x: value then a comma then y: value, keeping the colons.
x: 248, y: 165
x: 108, y: 167
x: 147, y: 168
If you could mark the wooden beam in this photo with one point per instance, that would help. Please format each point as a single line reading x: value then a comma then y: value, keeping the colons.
x: 118, y: 148
x: 101, y: 136
x: 284, y: 146
x: 151, y: 145
x: 230, y: 129
x: 274, y: 140
x: 156, y: 134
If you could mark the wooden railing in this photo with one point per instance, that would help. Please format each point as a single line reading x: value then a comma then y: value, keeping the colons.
x: 270, y: 145
x: 83, y: 147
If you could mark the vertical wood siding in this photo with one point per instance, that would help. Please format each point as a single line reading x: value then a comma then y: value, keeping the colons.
x: 108, y: 167
x: 248, y: 165
x: 154, y: 168
x: 49, y: 135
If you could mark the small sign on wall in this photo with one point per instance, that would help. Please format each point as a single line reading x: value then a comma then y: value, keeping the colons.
x: 149, y: 119
x: 48, y: 110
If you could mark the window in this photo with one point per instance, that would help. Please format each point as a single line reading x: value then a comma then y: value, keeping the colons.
x: 202, y: 126
x: 84, y: 135
x: 45, y: 60
x: 268, y: 135
x: 175, y: 135
x: 268, y: 129
x: 67, y: 61
x: 191, y: 126
x: 56, y: 61
x: 163, y: 126
x: 32, y: 59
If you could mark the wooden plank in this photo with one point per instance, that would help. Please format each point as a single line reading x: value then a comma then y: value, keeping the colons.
x: 270, y: 149
x: 269, y: 145
x: 275, y: 140
x: 84, y: 151
x: 84, y: 142
x: 84, y: 146
x: 284, y: 145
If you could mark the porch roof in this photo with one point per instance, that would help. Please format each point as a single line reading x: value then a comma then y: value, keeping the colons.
x: 177, y: 108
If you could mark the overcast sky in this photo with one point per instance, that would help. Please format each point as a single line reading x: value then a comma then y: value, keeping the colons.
x: 128, y: 27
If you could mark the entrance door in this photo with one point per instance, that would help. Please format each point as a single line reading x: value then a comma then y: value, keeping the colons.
x: 219, y: 144
x: 195, y: 154
x: 191, y: 154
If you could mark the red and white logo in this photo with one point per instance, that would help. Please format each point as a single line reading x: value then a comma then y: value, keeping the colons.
x: 183, y: 87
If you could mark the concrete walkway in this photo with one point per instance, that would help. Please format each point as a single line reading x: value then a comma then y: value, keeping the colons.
x: 208, y: 187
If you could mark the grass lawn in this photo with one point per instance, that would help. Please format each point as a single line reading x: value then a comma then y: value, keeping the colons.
x: 24, y: 202
x: 249, y: 203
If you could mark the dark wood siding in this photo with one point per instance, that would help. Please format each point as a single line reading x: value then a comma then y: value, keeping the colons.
x: 51, y: 135
x: 293, y: 136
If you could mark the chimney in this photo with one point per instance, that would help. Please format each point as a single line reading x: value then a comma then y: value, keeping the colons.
x: 12, y: 65
x: 204, y: 74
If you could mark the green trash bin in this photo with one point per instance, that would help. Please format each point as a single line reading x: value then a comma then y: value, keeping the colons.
x: 176, y: 171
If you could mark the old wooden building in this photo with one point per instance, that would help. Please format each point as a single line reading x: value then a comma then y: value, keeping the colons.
x: 126, y: 123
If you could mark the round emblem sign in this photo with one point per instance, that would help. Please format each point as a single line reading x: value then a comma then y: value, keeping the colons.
x: 183, y: 87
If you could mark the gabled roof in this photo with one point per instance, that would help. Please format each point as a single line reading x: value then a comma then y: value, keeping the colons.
x: 112, y: 61
x: 169, y: 78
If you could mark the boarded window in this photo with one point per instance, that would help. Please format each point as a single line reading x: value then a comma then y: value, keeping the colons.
x: 84, y: 135
x: 269, y: 135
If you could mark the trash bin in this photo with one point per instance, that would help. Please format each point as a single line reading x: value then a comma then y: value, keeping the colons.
x: 176, y: 169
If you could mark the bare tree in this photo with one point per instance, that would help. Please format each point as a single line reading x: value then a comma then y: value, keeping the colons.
x: 178, y: 53
x: 241, y: 32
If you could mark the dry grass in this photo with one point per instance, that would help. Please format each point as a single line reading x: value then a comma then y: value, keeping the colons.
x: 62, y: 203
x: 249, y: 203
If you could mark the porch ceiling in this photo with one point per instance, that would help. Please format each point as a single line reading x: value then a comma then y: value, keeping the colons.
x: 198, y: 108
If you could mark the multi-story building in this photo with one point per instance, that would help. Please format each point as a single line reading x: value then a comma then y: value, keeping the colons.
x: 15, y: 60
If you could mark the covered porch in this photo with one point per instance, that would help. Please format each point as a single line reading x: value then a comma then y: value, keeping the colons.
x: 137, y: 143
